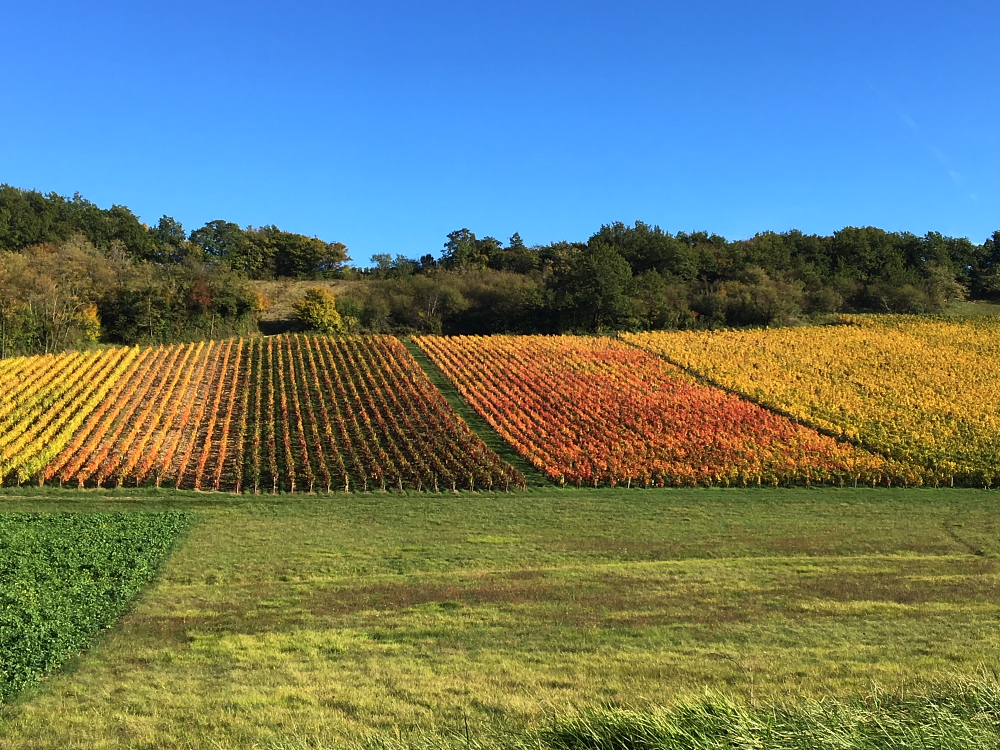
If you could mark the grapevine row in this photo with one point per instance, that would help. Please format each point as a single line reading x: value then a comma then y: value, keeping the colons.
x: 596, y: 411
x: 281, y: 414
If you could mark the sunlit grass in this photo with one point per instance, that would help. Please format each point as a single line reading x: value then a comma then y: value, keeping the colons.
x: 327, y: 620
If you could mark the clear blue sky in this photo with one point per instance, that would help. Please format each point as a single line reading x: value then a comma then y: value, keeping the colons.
x: 385, y: 125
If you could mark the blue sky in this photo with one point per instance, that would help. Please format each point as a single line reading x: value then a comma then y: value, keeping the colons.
x: 385, y: 125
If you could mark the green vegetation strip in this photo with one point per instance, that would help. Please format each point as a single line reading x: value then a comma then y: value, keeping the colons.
x: 476, y: 423
x: 64, y: 577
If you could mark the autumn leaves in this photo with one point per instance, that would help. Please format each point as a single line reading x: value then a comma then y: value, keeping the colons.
x: 595, y: 411
x: 876, y: 401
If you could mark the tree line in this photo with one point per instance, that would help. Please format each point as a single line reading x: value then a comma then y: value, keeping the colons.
x: 72, y: 274
x: 640, y: 277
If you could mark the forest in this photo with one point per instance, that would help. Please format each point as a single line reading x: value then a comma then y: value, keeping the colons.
x: 73, y: 274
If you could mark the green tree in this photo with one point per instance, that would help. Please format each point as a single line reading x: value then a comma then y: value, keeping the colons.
x: 225, y: 241
x: 157, y: 303
x: 658, y: 303
x: 28, y: 217
x: 593, y: 293
x: 464, y: 251
x: 291, y: 255
x: 516, y: 257
x: 382, y: 265
x: 943, y: 288
x: 171, y: 241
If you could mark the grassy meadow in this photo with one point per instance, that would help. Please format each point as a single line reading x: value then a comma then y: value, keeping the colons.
x: 330, y: 621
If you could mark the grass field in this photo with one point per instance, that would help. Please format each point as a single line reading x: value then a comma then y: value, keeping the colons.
x: 305, y: 621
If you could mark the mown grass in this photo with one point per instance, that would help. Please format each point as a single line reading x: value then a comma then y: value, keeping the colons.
x: 305, y: 621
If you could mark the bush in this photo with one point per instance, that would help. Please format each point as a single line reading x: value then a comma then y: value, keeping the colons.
x: 317, y: 311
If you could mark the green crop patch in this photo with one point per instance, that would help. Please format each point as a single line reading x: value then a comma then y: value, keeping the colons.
x: 65, y: 576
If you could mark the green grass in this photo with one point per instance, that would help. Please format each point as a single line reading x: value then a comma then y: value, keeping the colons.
x: 959, y: 715
x: 305, y: 621
x: 972, y: 308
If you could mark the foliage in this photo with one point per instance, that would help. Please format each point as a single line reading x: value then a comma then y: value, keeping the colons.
x: 72, y: 274
x: 640, y: 277
x: 44, y: 400
x: 160, y: 284
x: 49, y: 295
x: 28, y: 218
x: 56, y: 297
x: 66, y: 576
x: 923, y: 392
x: 186, y: 301
x: 775, y: 278
x: 463, y: 251
x: 289, y: 413
x: 468, y: 301
x: 593, y: 293
x: 317, y: 311
x: 595, y: 411
x: 268, y: 252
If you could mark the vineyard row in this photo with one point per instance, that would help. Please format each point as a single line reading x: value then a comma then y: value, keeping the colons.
x: 286, y: 413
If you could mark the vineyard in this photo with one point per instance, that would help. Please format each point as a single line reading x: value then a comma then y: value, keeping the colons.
x: 924, y: 392
x: 45, y: 399
x: 286, y: 413
x: 597, y: 411
x: 889, y: 400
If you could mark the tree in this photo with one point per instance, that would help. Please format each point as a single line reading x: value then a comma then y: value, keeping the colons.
x: 382, y: 264
x: 48, y: 296
x: 14, y: 275
x: 225, y: 241
x: 516, y: 257
x: 592, y: 294
x: 658, y: 303
x: 317, y: 311
x: 464, y: 251
x: 984, y: 273
x: 28, y: 217
x: 171, y: 241
x: 943, y: 288
x: 160, y: 303
x: 297, y: 256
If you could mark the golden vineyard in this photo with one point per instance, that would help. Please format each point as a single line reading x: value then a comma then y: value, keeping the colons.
x: 922, y: 392
x: 288, y: 413
x: 888, y: 400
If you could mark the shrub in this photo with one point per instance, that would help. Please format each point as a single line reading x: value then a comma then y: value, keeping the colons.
x: 317, y: 311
